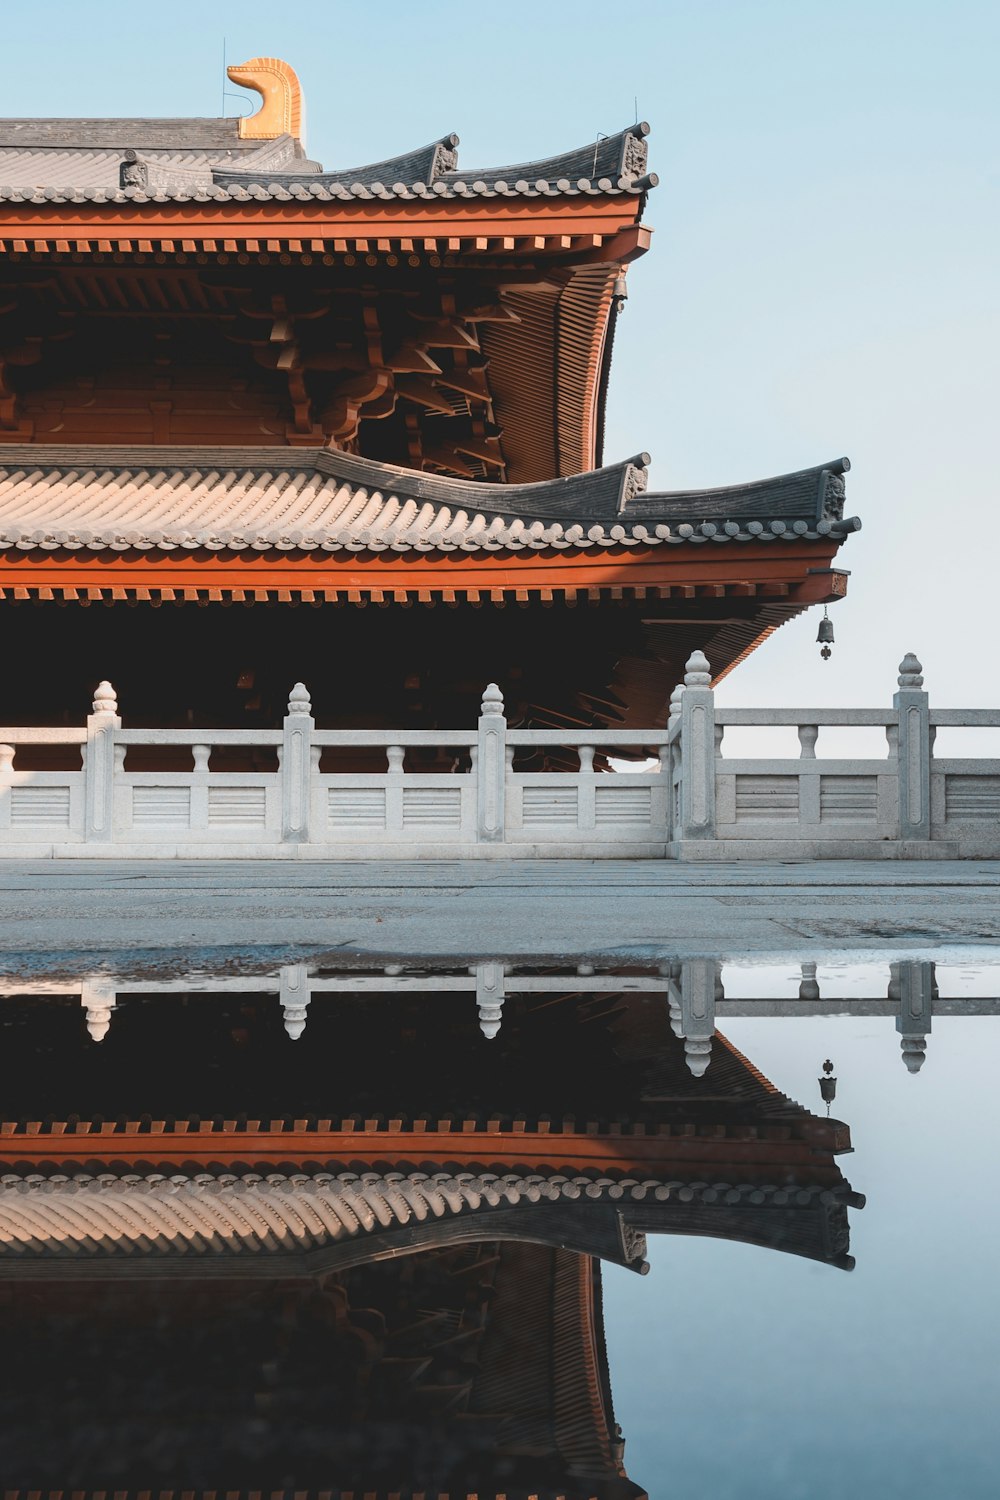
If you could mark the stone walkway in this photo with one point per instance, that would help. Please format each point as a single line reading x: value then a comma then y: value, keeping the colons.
x: 144, y: 916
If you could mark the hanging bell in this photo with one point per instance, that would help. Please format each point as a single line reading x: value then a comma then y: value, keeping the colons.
x: 620, y: 292
x: 828, y: 1084
x: 825, y: 635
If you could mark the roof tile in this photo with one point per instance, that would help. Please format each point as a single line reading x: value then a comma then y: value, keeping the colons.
x: 53, y: 498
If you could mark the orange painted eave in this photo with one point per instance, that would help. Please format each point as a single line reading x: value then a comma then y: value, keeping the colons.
x: 406, y: 1150
x: 436, y: 218
x: 802, y: 565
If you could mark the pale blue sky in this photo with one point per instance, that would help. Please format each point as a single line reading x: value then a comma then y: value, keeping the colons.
x: 824, y: 272
x: 744, y: 1374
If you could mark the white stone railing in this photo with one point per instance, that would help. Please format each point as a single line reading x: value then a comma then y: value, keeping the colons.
x: 106, y: 808
x: 908, y: 804
x: 693, y: 803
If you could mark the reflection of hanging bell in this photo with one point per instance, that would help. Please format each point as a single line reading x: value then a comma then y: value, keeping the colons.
x: 825, y: 635
x: 828, y: 1084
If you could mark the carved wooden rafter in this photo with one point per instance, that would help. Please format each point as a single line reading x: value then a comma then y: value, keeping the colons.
x: 346, y: 355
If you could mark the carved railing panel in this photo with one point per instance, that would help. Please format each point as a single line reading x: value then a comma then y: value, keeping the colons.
x: 910, y: 803
x: 482, y: 806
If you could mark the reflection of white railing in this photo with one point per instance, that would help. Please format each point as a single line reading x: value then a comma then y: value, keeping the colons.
x: 488, y: 808
x: 692, y: 989
x: 909, y: 803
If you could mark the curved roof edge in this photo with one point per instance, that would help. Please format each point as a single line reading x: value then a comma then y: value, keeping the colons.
x: 133, y: 160
x: 423, y: 164
x: 95, y: 498
x: 328, y: 1220
x: 616, y: 492
x: 610, y: 164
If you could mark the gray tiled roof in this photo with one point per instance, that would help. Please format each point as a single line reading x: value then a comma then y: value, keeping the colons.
x: 64, y: 170
x: 52, y: 160
x: 260, y: 499
x: 91, y: 168
x: 168, y: 135
x: 612, y: 164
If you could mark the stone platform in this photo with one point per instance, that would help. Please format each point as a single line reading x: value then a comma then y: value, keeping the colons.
x: 243, y: 914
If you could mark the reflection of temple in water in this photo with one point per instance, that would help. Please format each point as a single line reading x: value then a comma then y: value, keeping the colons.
x: 367, y: 1262
x: 474, y: 1368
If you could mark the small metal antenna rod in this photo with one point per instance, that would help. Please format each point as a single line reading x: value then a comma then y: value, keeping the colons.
x: 600, y: 136
x: 228, y: 93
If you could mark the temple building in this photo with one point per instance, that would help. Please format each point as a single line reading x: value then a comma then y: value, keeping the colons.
x: 359, y: 1263
x: 231, y: 377
x: 265, y: 424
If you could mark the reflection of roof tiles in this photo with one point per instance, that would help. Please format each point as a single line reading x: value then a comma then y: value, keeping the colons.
x: 262, y: 499
x: 102, y: 1214
x: 81, y: 160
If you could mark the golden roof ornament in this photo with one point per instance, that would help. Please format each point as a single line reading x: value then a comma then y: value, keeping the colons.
x: 282, y: 110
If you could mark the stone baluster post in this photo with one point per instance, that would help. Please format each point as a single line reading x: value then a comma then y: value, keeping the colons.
x: 490, y: 996
x: 98, y: 998
x: 808, y: 735
x: 674, y: 1013
x: 99, y: 766
x: 586, y: 811
x: 200, y: 755
x: 294, y: 994
x: 671, y: 762
x: 491, y: 768
x: 672, y: 974
x: 395, y: 756
x: 913, y: 985
x: 675, y: 705
x: 809, y: 984
x: 699, y: 987
x: 808, y: 786
x: 6, y: 777
x: 296, y: 767
x: 913, y: 751
x: 697, y: 800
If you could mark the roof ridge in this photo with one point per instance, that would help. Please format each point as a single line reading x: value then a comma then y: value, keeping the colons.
x: 610, y: 164
x: 428, y: 162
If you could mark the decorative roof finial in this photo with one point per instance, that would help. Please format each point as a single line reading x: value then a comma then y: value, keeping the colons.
x: 279, y: 87
x: 910, y: 672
